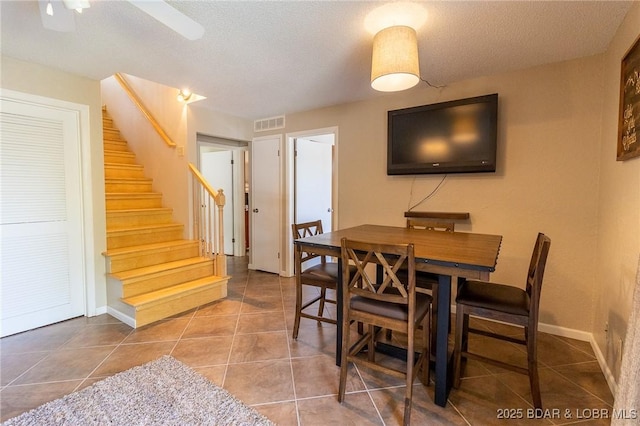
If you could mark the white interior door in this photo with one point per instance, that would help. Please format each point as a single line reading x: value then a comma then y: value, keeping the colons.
x: 313, y: 180
x: 41, y: 216
x: 265, y: 204
x: 217, y: 169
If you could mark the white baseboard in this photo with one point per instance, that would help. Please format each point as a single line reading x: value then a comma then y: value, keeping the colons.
x: 101, y: 310
x: 583, y: 336
x: 131, y: 322
x: 566, y: 332
x: 608, y: 375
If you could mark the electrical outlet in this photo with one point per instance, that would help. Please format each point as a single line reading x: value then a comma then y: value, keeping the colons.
x: 606, y: 330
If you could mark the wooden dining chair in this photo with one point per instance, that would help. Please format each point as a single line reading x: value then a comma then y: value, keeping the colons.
x: 389, y: 304
x: 312, y: 270
x: 508, y: 304
x: 427, y: 282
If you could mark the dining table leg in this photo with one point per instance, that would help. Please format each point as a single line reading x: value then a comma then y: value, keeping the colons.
x: 442, y: 340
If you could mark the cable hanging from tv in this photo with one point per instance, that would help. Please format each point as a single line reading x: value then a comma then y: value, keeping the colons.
x: 429, y: 195
x: 433, y: 85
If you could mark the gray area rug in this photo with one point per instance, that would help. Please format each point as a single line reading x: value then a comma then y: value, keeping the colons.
x: 162, y: 392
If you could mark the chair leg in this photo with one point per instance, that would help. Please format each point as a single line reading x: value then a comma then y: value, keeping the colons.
x: 344, y: 365
x: 296, y: 322
x: 457, y: 348
x: 426, y: 349
x: 532, y: 360
x: 323, y: 295
x: 371, y: 345
x: 409, y: 378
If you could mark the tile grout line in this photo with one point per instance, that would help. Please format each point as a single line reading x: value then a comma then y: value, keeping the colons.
x: 286, y: 330
x: 233, y: 337
x: 103, y: 360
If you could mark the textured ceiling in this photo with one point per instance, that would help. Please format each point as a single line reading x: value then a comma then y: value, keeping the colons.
x: 261, y: 59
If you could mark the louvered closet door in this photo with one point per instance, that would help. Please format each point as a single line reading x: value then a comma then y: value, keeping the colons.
x: 40, y: 220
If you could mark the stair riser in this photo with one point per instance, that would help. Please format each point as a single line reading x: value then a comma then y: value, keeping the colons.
x: 134, y: 203
x: 114, y: 172
x: 133, y: 239
x: 115, y: 146
x: 175, y: 306
x: 136, y: 219
x: 117, y: 158
x: 167, y: 279
x: 110, y: 132
x: 149, y: 258
x: 129, y: 187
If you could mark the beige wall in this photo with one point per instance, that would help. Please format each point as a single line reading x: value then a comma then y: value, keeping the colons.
x: 547, y: 177
x: 556, y: 174
x: 48, y: 82
x: 167, y: 166
x: 162, y: 163
x: 619, y: 209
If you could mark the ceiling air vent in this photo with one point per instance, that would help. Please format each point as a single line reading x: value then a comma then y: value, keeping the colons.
x: 271, y: 123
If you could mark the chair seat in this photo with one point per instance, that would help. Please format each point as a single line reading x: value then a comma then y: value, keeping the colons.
x: 325, y: 271
x: 322, y: 271
x: 391, y: 310
x: 496, y: 297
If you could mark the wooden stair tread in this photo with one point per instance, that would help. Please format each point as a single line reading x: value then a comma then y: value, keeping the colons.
x: 119, y: 153
x: 114, y: 153
x: 179, y: 290
x: 124, y: 212
x: 133, y: 194
x: 127, y: 179
x: 162, y: 267
x: 163, y: 246
x: 135, y: 167
x: 145, y: 228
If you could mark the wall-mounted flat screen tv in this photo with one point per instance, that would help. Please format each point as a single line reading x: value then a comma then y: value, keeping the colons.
x: 458, y: 136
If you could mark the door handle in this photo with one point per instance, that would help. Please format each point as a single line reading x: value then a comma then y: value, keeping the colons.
x: 256, y: 210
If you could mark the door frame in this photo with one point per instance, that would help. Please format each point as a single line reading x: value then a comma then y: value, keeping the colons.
x: 289, y: 156
x: 86, y: 187
x: 239, y: 178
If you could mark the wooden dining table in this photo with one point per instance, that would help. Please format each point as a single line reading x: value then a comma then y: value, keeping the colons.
x: 461, y: 254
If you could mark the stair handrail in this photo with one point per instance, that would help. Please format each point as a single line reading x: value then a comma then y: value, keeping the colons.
x: 208, y: 223
x: 138, y: 102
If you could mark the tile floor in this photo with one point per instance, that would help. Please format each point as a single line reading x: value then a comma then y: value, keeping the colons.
x: 243, y: 343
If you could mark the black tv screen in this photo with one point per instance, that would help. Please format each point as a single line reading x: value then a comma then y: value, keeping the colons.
x: 449, y: 137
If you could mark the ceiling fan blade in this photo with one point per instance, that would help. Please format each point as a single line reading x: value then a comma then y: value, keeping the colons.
x: 171, y: 17
x: 62, y: 19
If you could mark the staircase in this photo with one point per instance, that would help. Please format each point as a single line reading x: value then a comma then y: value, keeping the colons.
x: 153, y: 273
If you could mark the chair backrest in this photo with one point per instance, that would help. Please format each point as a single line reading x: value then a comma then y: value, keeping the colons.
x: 536, y: 273
x: 307, y: 229
x: 390, y: 258
x: 431, y: 224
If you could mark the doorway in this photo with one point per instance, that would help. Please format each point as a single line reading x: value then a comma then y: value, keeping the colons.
x: 312, y: 184
x: 223, y: 162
